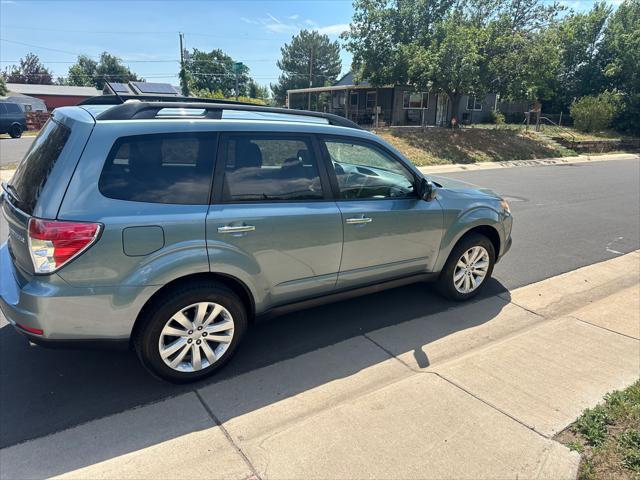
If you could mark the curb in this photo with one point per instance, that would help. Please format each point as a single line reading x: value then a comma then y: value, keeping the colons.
x: 542, y: 162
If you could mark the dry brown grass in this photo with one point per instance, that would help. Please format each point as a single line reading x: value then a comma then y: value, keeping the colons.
x: 435, y: 146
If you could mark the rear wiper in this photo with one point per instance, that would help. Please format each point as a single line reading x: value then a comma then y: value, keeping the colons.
x: 11, y: 190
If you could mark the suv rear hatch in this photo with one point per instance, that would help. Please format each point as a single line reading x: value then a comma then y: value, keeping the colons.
x: 41, y: 179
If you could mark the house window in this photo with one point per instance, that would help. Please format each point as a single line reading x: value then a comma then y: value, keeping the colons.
x: 415, y: 100
x: 371, y: 100
x: 353, y: 99
x: 473, y: 103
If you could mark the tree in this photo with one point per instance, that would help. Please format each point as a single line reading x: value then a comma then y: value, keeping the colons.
x: 311, y: 59
x: 30, y: 70
x: 3, y: 88
x: 620, y: 62
x: 256, y: 90
x: 578, y: 38
x: 450, y: 61
x: 456, y: 47
x: 83, y: 72
x: 214, y: 71
x: 88, y: 72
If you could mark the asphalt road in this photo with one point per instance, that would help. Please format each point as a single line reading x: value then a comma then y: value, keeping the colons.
x: 566, y: 216
x: 13, y: 149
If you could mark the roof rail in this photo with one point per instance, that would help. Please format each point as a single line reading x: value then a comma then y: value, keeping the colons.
x: 148, y: 106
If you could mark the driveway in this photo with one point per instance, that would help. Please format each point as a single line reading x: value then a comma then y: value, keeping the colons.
x: 566, y: 216
x: 13, y: 149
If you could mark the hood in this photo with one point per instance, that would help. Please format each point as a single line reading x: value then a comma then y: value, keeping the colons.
x: 462, y: 187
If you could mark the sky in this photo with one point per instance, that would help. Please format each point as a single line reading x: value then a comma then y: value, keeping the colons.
x: 144, y: 34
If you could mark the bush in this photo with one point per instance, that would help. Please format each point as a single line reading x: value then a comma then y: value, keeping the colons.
x: 595, y: 113
x: 497, y: 117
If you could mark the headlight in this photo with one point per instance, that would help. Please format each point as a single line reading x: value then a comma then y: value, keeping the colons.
x: 505, y: 206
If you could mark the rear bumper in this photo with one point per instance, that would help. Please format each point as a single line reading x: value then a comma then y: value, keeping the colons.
x: 68, y: 316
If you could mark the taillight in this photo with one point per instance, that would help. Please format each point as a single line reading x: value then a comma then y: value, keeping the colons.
x: 53, y: 243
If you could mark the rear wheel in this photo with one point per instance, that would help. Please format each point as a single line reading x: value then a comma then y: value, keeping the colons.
x: 191, y: 332
x: 468, y: 268
x: 15, y: 131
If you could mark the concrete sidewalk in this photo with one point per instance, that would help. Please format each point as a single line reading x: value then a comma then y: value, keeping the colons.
x: 477, y: 391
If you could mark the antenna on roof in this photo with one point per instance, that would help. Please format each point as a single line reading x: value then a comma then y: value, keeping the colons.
x: 113, y: 90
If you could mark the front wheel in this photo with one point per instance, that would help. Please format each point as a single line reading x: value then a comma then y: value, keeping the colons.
x: 191, y: 332
x: 468, y: 268
x: 15, y: 131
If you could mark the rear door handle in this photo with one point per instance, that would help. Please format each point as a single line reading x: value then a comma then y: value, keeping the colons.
x: 358, y: 220
x: 238, y: 229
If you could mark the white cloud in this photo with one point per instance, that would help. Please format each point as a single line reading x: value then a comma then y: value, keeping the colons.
x: 293, y: 17
x: 249, y: 21
x: 336, y: 29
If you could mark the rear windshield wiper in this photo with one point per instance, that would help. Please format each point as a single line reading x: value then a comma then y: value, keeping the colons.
x: 11, y: 190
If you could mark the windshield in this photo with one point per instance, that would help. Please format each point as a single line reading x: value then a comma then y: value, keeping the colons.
x: 33, y: 171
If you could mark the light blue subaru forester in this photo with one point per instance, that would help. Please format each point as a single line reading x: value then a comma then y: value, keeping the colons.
x: 169, y: 226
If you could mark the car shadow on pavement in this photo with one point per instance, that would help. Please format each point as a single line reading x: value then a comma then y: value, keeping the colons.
x: 45, y: 391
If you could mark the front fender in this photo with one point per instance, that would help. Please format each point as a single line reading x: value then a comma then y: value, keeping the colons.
x: 457, y: 224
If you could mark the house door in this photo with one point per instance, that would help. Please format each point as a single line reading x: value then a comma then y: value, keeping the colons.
x: 442, y: 110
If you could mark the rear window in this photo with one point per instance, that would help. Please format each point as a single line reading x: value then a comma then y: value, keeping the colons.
x: 167, y: 168
x: 32, y: 173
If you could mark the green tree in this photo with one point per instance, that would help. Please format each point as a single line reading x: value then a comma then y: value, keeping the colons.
x: 255, y: 90
x: 87, y: 72
x: 450, y: 61
x: 579, y: 37
x: 214, y: 71
x: 620, y: 62
x: 456, y: 47
x: 310, y: 59
x: 29, y: 70
x: 3, y: 87
x: 83, y: 72
x: 595, y: 113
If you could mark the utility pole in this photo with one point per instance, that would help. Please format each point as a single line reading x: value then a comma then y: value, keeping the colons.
x: 237, y: 68
x: 183, y: 73
x: 310, y: 77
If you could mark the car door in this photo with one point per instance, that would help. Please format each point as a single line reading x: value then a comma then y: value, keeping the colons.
x: 4, y: 118
x: 388, y: 231
x: 273, y: 219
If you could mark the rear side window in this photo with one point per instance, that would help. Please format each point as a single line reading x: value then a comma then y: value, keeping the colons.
x: 270, y: 168
x: 167, y: 168
x: 13, y: 108
x: 32, y: 173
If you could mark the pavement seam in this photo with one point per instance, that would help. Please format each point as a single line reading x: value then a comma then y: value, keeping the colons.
x: 604, y: 328
x: 236, y: 447
x: 460, y: 387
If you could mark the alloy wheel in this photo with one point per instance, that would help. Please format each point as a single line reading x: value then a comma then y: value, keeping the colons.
x: 471, y: 269
x: 196, y: 337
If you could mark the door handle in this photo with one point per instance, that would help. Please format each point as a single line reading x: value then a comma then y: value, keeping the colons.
x: 358, y: 221
x: 238, y: 229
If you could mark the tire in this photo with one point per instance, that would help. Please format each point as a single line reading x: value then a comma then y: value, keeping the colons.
x: 15, y: 131
x: 450, y: 274
x: 155, y: 332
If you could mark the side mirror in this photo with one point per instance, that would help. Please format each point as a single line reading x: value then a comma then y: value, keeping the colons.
x: 426, y: 190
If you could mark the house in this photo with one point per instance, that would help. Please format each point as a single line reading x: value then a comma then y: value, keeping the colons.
x: 53, y: 96
x: 395, y: 105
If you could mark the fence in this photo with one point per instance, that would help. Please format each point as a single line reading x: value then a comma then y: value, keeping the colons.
x: 35, y: 120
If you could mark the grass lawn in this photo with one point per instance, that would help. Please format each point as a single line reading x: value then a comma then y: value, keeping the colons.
x: 552, y: 130
x: 608, y: 437
x: 435, y: 146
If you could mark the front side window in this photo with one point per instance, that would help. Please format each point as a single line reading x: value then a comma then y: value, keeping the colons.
x: 368, y: 172
x: 166, y: 168
x: 270, y: 168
